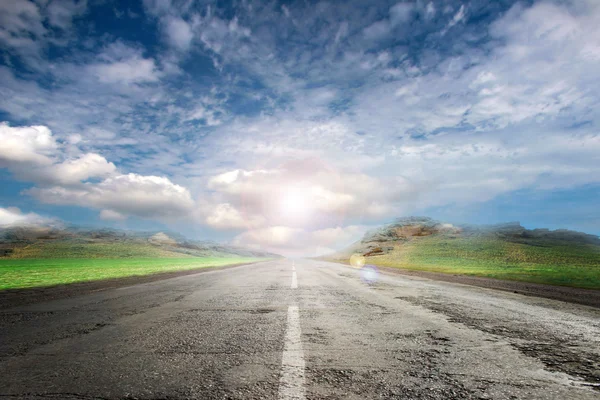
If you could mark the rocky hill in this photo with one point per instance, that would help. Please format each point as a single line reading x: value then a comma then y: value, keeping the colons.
x: 404, y: 231
x: 505, y: 251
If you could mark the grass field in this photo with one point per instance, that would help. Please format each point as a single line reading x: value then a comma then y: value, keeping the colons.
x: 575, y: 265
x: 26, y: 273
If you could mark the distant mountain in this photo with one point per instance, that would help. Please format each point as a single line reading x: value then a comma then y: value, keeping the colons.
x: 76, y: 242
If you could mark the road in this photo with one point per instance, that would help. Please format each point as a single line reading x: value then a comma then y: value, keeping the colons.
x: 300, y: 329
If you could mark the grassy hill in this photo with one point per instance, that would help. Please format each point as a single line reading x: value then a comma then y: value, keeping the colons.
x: 44, y: 256
x: 506, y: 251
x: 74, y: 249
x: 47, y: 242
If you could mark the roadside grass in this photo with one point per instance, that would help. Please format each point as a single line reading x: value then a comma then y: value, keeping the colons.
x: 80, y: 249
x: 576, y: 265
x: 28, y: 273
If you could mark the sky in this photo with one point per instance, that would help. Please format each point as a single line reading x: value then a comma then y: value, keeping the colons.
x: 296, y: 126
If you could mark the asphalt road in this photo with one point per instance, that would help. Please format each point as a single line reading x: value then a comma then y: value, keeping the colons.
x: 300, y: 330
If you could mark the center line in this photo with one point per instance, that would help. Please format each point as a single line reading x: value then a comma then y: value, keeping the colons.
x: 291, y: 384
x: 294, y: 280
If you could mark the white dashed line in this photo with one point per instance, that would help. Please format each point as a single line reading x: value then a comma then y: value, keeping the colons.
x: 294, y: 280
x: 291, y: 384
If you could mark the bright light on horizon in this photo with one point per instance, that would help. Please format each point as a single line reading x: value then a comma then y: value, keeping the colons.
x: 296, y: 204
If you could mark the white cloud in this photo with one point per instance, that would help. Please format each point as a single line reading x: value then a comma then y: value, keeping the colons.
x: 274, y: 237
x: 300, y: 242
x: 458, y: 17
x: 540, y: 69
x: 149, y: 197
x: 72, y: 171
x: 219, y: 35
x: 179, y: 33
x: 430, y: 10
x: 158, y: 7
x: 28, y: 27
x: 202, y: 112
x: 120, y: 63
x: 338, y: 236
x: 110, y: 215
x: 132, y: 70
x: 378, y: 30
x: 31, y: 153
x: 26, y: 145
x: 224, y: 216
x: 308, y: 193
x: 12, y: 216
x: 401, y: 13
x: 20, y: 17
x: 20, y: 24
x: 62, y: 12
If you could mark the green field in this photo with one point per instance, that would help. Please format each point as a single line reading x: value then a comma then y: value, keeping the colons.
x: 568, y: 264
x: 26, y: 273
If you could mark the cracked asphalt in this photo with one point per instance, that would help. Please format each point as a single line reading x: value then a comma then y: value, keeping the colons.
x: 221, y: 335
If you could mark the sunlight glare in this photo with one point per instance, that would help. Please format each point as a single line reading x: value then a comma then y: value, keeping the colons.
x: 295, y: 203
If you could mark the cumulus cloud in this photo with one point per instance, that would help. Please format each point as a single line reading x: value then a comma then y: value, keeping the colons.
x: 12, y: 216
x: 307, y: 192
x: 32, y: 154
x: 70, y: 171
x: 150, y: 197
x: 81, y: 169
x: 26, y: 145
x: 224, y: 217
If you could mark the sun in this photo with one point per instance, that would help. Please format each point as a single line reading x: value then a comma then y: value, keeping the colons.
x: 295, y: 204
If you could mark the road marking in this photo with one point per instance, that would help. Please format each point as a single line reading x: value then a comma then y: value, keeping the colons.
x: 291, y: 384
x: 294, y: 280
x: 293, y: 266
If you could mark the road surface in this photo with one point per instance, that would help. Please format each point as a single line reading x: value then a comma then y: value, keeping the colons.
x: 300, y: 330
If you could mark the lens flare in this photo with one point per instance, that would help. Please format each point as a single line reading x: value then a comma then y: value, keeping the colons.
x: 357, y: 260
x: 369, y: 274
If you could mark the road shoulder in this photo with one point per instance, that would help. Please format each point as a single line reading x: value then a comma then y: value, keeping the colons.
x: 587, y: 297
x: 21, y: 297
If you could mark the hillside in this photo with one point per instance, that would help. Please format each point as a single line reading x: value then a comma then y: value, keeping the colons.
x: 49, y: 242
x: 49, y: 256
x: 506, y: 251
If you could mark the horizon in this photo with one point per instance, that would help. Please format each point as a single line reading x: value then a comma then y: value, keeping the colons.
x: 295, y: 128
x: 133, y: 232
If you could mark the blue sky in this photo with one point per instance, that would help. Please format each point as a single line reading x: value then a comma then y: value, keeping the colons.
x: 296, y: 126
